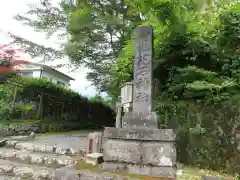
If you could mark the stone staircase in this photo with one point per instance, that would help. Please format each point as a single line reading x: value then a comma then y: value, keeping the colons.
x: 21, y: 158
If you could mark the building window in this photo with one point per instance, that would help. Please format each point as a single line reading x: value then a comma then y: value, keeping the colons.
x: 46, y: 78
x: 28, y: 74
x: 61, y: 84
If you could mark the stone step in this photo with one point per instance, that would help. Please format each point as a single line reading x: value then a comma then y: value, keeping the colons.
x: 25, y: 171
x: 47, y: 159
x: 14, y: 139
x: 41, y: 147
x: 19, y: 138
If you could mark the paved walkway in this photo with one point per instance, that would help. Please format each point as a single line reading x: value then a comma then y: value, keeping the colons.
x: 77, y: 141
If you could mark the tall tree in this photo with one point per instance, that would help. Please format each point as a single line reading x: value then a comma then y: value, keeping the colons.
x: 175, y: 24
x: 95, y: 32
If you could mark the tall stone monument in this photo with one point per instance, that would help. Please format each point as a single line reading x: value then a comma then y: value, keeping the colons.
x: 139, y: 147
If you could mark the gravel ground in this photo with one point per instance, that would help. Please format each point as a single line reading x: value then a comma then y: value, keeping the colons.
x: 75, y: 141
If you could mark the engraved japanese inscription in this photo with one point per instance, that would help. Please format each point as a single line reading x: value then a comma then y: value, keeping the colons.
x: 123, y: 151
x: 136, y: 135
x: 162, y: 154
x: 142, y: 99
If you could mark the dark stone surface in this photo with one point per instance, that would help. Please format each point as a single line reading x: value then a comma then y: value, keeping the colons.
x: 140, y: 134
x: 139, y: 147
x: 142, y: 115
x: 142, y: 82
x: 141, y: 120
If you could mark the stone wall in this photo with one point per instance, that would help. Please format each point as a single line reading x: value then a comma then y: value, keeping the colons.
x: 23, y: 128
x: 19, y: 129
x: 140, y: 151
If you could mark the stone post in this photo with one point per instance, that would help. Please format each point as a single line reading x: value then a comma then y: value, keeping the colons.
x: 139, y: 147
x: 119, y: 109
x: 126, y: 96
x: 94, y: 143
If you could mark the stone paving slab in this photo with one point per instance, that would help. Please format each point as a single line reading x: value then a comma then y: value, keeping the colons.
x: 70, y: 144
x: 37, y: 157
x: 77, y: 142
x: 43, y: 147
x: 19, y: 138
x: 25, y: 171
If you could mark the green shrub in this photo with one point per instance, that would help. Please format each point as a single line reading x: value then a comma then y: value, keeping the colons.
x: 59, y: 104
x: 5, y: 112
x: 205, y: 136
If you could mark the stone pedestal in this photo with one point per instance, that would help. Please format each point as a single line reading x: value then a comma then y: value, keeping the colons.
x: 94, y: 158
x: 94, y: 143
x: 141, y: 151
x: 140, y: 120
x: 139, y: 147
x: 118, y: 123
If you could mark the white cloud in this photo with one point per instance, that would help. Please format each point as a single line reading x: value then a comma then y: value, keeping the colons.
x: 8, y: 9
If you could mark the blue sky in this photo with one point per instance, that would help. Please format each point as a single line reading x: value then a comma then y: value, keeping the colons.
x: 8, y: 9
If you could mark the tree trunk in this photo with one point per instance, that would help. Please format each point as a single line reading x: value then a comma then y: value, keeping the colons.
x: 39, y: 112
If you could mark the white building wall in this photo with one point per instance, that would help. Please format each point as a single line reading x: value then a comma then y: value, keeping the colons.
x: 36, y: 73
x: 55, y: 78
x: 51, y: 75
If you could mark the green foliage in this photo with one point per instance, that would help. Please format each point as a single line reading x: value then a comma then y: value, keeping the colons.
x: 59, y: 104
x: 5, y: 110
x: 196, y: 67
x: 105, y: 100
x: 205, y: 131
x: 11, y: 127
x: 97, y: 30
x: 33, y: 86
x: 196, y: 76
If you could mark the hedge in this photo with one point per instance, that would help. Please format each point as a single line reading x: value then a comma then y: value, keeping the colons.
x: 57, y: 103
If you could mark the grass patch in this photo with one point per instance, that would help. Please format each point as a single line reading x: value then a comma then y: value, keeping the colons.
x: 193, y: 173
x: 49, y: 127
x: 189, y: 173
x: 97, y: 169
x: 83, y: 165
x: 66, y: 132
x: 19, y: 122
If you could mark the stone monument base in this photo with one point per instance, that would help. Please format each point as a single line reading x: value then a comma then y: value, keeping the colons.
x: 142, y: 151
x: 140, y: 120
x: 154, y: 171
